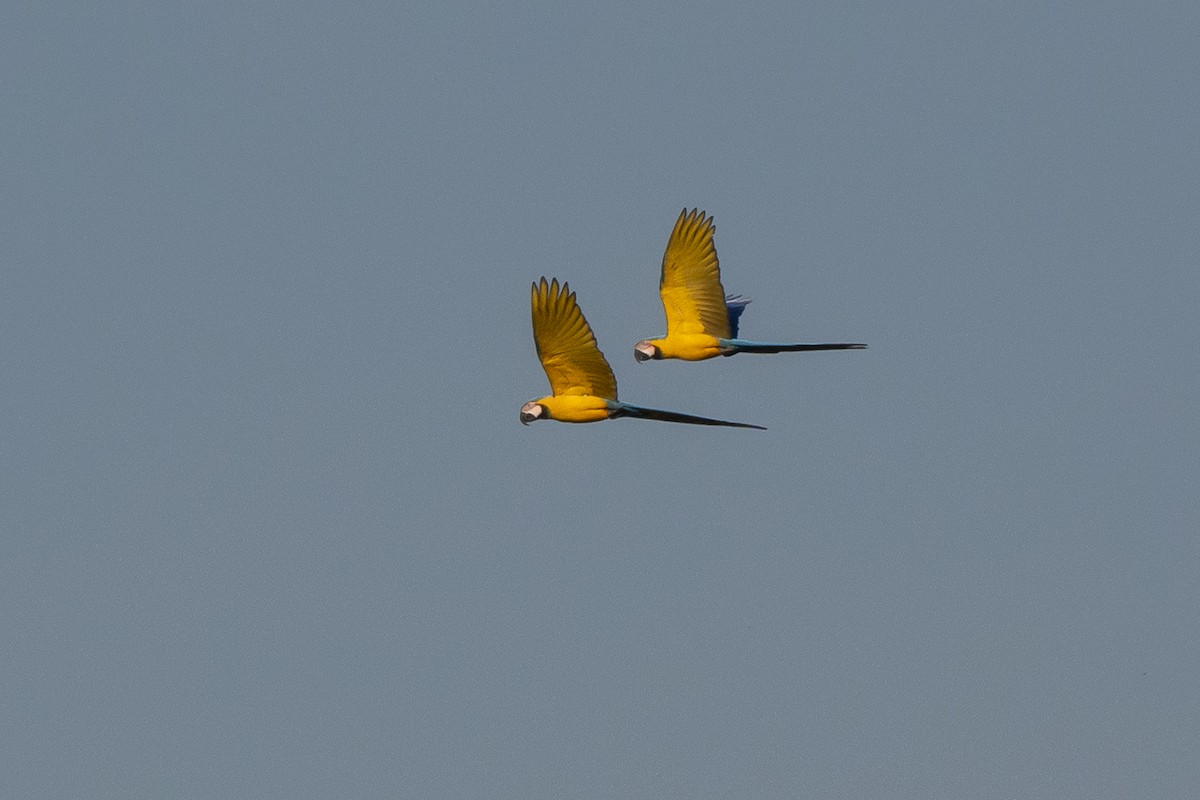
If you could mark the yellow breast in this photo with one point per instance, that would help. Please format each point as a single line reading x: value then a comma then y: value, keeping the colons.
x: 688, y: 346
x: 575, y: 408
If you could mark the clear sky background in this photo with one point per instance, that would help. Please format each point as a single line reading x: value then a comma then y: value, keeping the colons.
x: 271, y: 528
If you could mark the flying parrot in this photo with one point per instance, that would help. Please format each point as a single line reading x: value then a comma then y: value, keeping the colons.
x: 702, y: 321
x: 581, y: 381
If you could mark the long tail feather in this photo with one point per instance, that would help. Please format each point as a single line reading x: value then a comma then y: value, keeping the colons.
x: 744, y: 346
x: 640, y: 412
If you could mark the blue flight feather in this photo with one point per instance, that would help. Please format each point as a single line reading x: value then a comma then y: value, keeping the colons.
x: 735, y: 304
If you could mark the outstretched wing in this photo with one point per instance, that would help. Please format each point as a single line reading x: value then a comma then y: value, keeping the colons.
x: 691, y: 279
x: 566, y: 345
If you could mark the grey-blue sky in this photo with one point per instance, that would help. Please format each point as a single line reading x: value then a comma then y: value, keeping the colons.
x: 270, y: 525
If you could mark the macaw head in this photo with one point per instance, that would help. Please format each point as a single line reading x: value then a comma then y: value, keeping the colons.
x: 644, y: 351
x: 533, y: 410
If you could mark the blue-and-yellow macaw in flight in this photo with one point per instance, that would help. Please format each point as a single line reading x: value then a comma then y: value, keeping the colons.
x: 702, y: 322
x: 581, y: 381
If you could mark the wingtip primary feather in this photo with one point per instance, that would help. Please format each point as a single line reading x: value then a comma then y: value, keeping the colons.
x: 696, y: 222
x: 544, y: 293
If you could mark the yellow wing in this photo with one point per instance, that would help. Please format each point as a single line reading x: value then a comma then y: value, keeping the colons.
x: 690, y: 286
x: 566, y: 345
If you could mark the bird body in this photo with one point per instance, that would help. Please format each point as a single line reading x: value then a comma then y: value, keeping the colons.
x: 702, y: 321
x: 582, y: 385
x: 575, y: 407
x: 685, y: 346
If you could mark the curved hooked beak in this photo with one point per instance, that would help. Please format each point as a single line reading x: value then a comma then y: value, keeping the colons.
x: 644, y: 351
x: 531, y: 411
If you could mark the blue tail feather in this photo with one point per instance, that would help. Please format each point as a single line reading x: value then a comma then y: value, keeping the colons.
x: 746, y: 346
x: 620, y: 409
